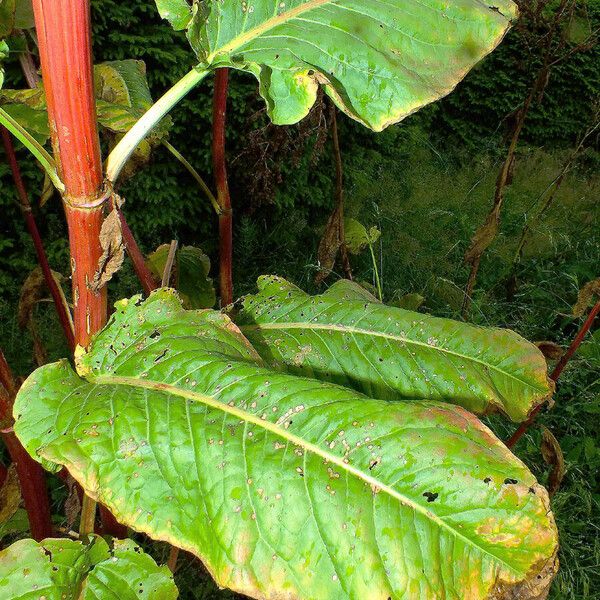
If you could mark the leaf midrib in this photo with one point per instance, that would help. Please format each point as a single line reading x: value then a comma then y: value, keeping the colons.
x: 240, y: 40
x: 370, y: 333
x: 294, y: 439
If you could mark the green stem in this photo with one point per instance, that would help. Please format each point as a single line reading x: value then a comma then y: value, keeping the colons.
x: 377, y: 280
x: 34, y: 147
x: 129, y: 142
x: 195, y: 175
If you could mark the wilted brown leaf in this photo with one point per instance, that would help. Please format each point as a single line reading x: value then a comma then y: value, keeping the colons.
x: 113, y: 250
x: 553, y: 457
x: 550, y: 350
x: 584, y: 298
x: 33, y: 291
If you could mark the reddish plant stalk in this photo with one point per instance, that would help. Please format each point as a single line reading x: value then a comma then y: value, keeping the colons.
x: 137, y: 258
x: 223, y: 197
x: 30, y: 473
x: 558, y: 369
x: 25, y: 206
x: 64, y: 38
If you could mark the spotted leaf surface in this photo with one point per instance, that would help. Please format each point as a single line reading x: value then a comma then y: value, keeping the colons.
x: 379, y: 61
x: 285, y: 487
x: 62, y: 569
x: 347, y: 336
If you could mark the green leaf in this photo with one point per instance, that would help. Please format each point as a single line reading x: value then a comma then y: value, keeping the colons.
x: 177, y: 12
x: 378, y: 61
x: 190, y: 275
x: 357, y: 237
x: 390, y: 353
x: 122, y: 93
x: 7, y: 17
x: 63, y: 569
x: 4, y: 50
x: 285, y: 487
x: 24, y: 18
x: 409, y: 301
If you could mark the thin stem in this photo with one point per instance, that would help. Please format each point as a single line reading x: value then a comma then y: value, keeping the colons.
x: 194, y: 174
x: 129, y: 142
x: 135, y: 254
x: 61, y: 310
x: 166, y: 276
x: 223, y: 197
x: 339, y: 192
x: 34, y: 147
x: 558, y: 369
x: 376, y: 271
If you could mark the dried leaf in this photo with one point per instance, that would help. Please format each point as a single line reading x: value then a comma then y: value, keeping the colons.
x: 10, y: 495
x: 33, y: 291
x: 553, y: 457
x: 113, y: 251
x: 72, y: 503
x: 483, y: 237
x: 584, y: 298
x: 550, y: 350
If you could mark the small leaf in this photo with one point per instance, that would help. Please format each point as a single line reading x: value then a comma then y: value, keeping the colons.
x: 378, y: 61
x: 286, y: 487
x: 24, y: 18
x: 390, y: 353
x: 358, y: 237
x: 177, y: 12
x: 409, y: 301
x: 56, y: 569
x: 4, y: 50
x: 553, y: 457
x: 7, y: 17
x: 190, y: 274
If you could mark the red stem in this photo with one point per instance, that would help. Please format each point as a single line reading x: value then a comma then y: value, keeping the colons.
x: 137, y: 258
x: 30, y: 473
x: 65, y: 44
x: 223, y: 197
x: 61, y: 309
x: 558, y: 369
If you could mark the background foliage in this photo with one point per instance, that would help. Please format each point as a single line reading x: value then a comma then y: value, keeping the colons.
x: 427, y: 183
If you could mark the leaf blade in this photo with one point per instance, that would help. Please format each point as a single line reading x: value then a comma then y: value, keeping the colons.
x: 378, y: 61
x: 414, y: 355
x: 185, y: 436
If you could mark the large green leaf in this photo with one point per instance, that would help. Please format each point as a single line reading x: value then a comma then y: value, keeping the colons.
x: 347, y: 336
x: 379, y: 60
x: 286, y: 487
x: 62, y: 569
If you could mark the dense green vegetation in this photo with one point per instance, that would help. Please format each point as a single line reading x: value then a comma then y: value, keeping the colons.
x: 426, y: 183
